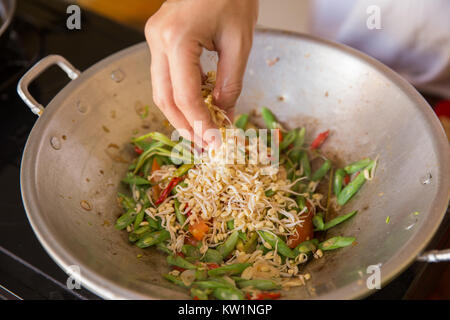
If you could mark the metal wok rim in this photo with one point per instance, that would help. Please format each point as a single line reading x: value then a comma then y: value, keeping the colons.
x: 9, y: 16
x: 105, y: 288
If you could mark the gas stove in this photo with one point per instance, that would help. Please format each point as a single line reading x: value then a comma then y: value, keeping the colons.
x: 39, y: 29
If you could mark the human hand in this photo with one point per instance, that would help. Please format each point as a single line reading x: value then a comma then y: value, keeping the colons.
x: 176, y: 35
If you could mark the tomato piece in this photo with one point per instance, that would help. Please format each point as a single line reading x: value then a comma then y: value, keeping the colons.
x: 346, y: 179
x: 319, y: 140
x: 304, y: 232
x: 178, y: 268
x: 138, y: 150
x: 198, y: 230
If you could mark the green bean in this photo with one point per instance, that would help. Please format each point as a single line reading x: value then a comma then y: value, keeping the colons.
x: 318, y: 222
x: 301, y: 202
x: 138, y: 233
x: 139, y: 218
x: 126, y: 202
x: 269, y: 119
x: 230, y: 224
x: 158, y: 136
x: 153, y: 238
x: 190, y: 251
x: 261, y: 284
x: 213, y: 255
x: 201, y: 274
x: 338, y: 181
x: 357, y: 166
x: 340, y: 219
x: 180, y: 217
x: 229, y: 244
x: 199, y: 294
x: 288, y: 139
x: 277, y: 242
x: 306, y: 246
x: 241, y: 121
x: 134, y: 179
x: 235, y: 268
x: 322, y: 171
x: 178, y: 261
x: 212, y: 284
x: 250, y: 244
x: 175, y: 280
x: 125, y: 220
x: 336, y: 243
x: 162, y: 247
x: 298, y: 143
x: 154, y: 224
x: 351, y: 189
x: 304, y: 162
x: 228, y: 294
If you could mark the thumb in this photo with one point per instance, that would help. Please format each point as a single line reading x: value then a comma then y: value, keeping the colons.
x: 230, y: 72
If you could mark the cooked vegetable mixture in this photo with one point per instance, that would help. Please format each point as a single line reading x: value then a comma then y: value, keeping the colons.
x: 239, y: 230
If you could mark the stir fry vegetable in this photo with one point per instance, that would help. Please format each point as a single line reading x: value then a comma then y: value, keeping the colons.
x: 232, y: 233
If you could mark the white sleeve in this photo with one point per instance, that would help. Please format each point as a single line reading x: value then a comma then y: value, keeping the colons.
x: 414, y: 38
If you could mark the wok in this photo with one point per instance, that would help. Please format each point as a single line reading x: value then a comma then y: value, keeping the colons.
x: 7, y: 8
x: 77, y: 151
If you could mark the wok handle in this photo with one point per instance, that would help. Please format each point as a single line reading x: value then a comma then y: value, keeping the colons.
x: 435, y: 256
x: 35, y: 71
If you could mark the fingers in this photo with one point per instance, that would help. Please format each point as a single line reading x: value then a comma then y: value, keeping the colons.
x: 185, y: 73
x: 233, y: 57
x: 163, y: 95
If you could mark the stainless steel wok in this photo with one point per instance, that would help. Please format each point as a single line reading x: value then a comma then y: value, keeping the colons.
x: 76, y: 153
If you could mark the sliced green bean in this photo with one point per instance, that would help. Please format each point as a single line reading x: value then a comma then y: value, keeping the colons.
x: 298, y: 144
x: 322, y: 171
x: 180, y: 217
x: 230, y: 224
x: 212, y: 284
x: 154, y: 224
x: 228, y: 294
x: 277, y: 242
x: 235, y: 268
x: 199, y: 294
x: 351, y: 189
x: 153, y: 238
x: 269, y: 119
x: 241, y: 121
x: 139, y: 218
x: 306, y: 246
x: 178, y: 261
x: 288, y: 139
x: 138, y: 233
x: 338, y: 181
x: 338, y: 220
x: 190, y: 251
x: 228, y: 246
x: 183, y: 169
x: 336, y: 243
x: 125, y: 220
x: 126, y: 202
x: 135, y: 179
x: 301, y: 202
x: 318, y: 222
x: 304, y: 162
x: 213, y: 255
x: 261, y: 284
x: 250, y: 244
x: 162, y: 247
x: 175, y: 280
x: 357, y: 166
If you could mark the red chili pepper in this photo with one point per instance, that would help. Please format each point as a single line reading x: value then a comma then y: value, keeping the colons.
x: 346, y: 179
x: 168, y: 189
x: 138, y: 150
x: 178, y: 268
x: 319, y: 140
x: 181, y: 254
x: 196, y: 298
x: 212, y: 265
x: 264, y: 295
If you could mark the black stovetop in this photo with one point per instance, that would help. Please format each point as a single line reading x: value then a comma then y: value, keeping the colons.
x: 39, y: 29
